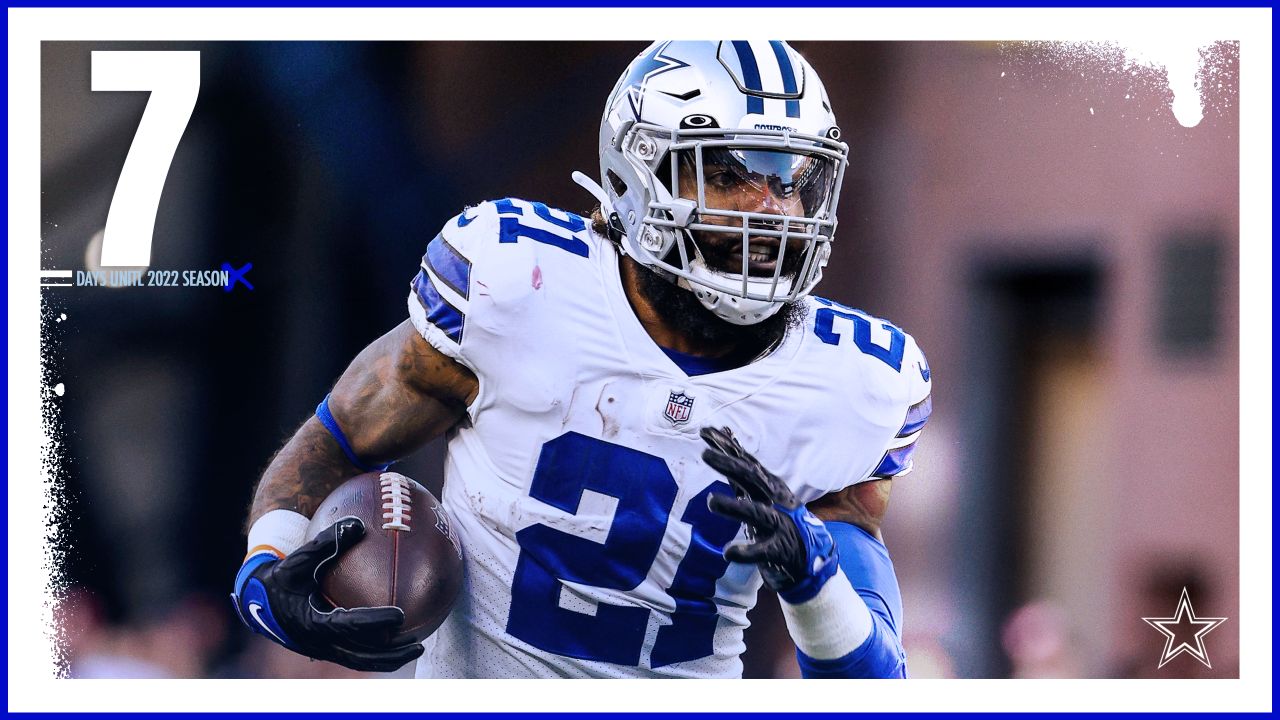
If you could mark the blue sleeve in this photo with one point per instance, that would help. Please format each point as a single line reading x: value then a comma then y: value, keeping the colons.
x: 865, y: 561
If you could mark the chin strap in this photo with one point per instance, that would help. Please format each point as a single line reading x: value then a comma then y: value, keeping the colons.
x: 708, y: 286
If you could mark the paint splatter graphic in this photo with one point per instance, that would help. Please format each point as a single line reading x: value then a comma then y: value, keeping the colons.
x: 53, y: 474
x: 1186, y: 81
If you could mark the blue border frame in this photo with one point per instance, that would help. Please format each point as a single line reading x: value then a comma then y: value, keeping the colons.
x: 4, y: 394
x: 624, y: 4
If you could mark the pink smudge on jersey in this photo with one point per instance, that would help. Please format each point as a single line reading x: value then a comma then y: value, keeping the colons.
x: 537, y: 277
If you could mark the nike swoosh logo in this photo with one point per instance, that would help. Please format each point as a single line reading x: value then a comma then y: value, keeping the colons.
x: 464, y: 221
x: 254, y: 609
x: 924, y: 371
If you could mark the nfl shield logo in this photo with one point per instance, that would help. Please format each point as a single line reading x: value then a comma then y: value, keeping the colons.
x: 679, y: 407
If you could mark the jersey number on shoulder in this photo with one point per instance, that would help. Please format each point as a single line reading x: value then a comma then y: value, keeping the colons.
x: 510, y: 228
x: 553, y: 561
x: 824, y: 328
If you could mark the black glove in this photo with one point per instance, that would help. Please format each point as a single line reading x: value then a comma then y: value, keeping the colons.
x: 278, y: 598
x: 795, y: 552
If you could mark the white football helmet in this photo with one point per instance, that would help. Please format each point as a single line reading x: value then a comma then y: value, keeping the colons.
x: 719, y: 161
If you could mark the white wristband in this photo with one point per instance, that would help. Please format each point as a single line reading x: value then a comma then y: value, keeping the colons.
x: 832, y: 624
x: 279, y: 531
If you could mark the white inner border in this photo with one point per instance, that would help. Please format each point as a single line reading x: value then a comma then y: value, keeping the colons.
x: 30, y: 685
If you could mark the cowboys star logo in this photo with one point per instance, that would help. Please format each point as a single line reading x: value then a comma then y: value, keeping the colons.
x: 1184, y: 632
x: 633, y: 83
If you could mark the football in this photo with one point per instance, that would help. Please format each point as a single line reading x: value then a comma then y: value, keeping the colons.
x: 409, y: 557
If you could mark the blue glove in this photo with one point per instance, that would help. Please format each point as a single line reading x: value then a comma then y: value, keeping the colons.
x: 796, y: 554
x: 278, y: 598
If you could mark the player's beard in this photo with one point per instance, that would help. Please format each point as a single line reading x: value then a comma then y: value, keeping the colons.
x: 680, y: 309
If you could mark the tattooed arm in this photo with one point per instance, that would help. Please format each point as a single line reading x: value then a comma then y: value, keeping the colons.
x: 397, y: 394
x: 864, y: 505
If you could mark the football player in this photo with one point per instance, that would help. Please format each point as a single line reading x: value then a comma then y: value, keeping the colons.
x: 648, y: 415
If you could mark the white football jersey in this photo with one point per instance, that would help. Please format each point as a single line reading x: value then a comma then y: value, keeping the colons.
x: 576, y: 482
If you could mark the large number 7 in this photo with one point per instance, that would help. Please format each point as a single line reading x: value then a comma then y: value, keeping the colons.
x: 174, y: 81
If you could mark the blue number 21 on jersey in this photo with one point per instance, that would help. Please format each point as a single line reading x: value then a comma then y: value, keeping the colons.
x: 824, y: 328
x: 645, y: 492
x: 549, y: 557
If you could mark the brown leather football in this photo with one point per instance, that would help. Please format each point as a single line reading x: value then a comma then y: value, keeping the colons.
x: 409, y: 557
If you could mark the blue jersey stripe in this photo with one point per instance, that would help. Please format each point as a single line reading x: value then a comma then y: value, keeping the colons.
x: 449, y: 265
x: 895, y: 461
x: 788, y: 76
x: 917, y: 416
x: 439, y: 312
x: 750, y: 75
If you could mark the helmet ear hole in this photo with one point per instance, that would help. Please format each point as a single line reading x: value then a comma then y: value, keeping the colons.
x: 663, y: 173
x: 619, y: 187
x: 834, y: 133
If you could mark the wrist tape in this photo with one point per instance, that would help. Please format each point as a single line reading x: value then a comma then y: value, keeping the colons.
x: 832, y: 624
x: 279, y: 532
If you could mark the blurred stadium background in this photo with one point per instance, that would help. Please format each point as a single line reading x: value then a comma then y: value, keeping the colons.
x: 1065, y: 252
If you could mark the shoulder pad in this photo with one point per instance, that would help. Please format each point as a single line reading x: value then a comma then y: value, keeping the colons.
x: 488, y: 251
x: 895, y: 379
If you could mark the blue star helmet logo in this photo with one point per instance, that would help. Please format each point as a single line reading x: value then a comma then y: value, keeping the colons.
x: 651, y: 65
